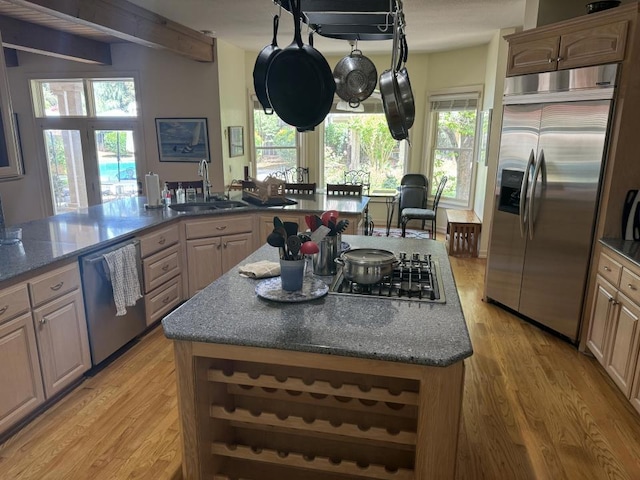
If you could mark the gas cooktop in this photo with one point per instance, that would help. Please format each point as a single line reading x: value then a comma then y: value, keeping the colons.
x: 416, y: 278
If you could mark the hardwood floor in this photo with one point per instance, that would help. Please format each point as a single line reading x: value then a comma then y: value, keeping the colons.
x: 534, y: 408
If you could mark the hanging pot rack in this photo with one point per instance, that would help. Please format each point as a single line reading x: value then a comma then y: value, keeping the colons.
x: 350, y: 19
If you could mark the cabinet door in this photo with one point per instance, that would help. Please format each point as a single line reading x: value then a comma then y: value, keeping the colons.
x: 235, y: 248
x: 533, y: 56
x: 10, y: 164
x: 635, y: 391
x: 623, y: 344
x: 594, y: 46
x: 203, y: 263
x: 61, y: 330
x: 600, y: 318
x: 20, y: 379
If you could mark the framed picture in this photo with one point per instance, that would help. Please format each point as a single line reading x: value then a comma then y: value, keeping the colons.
x: 236, y: 141
x: 183, y: 139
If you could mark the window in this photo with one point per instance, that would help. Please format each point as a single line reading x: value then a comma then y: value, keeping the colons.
x: 89, y: 129
x: 361, y: 141
x: 454, y: 138
x: 275, y: 143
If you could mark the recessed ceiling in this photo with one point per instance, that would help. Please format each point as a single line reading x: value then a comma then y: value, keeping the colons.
x: 432, y: 25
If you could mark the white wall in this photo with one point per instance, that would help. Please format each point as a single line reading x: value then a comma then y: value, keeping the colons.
x: 169, y: 86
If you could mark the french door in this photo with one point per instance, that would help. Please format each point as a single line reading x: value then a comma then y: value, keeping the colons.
x: 90, y: 162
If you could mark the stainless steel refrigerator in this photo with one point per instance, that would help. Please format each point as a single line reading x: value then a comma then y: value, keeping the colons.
x: 553, y: 142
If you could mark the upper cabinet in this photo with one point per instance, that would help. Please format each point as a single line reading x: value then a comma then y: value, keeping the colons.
x: 590, y: 40
x: 10, y: 165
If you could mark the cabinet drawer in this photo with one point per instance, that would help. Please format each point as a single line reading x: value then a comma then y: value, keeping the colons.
x: 13, y: 302
x: 609, y: 269
x: 214, y: 227
x: 161, y: 267
x: 630, y: 285
x: 156, y: 241
x: 161, y: 301
x: 53, y: 284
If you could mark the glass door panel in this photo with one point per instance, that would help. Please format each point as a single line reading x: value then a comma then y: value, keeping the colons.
x: 116, y: 164
x: 66, y: 169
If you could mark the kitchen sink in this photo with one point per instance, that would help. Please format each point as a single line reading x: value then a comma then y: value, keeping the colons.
x: 204, y: 206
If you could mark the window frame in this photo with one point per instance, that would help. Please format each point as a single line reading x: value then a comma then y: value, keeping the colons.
x: 431, y: 124
x: 86, y: 125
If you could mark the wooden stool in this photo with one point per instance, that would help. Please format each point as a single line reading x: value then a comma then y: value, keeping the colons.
x: 464, y: 229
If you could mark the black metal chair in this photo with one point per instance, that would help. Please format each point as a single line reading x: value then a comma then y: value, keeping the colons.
x: 424, y: 214
x: 358, y: 177
x: 300, y: 188
x: 412, y: 198
x: 343, y: 189
x: 297, y: 175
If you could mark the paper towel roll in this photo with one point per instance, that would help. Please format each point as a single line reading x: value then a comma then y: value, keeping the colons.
x: 152, y: 181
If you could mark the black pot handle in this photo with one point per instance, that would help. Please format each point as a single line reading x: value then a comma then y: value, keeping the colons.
x: 311, y: 38
x: 295, y: 11
x: 276, y: 22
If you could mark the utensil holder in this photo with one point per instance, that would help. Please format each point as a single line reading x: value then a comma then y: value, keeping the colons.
x: 291, y: 274
x: 324, y: 261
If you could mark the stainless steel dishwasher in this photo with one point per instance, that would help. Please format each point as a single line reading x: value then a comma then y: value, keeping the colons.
x: 108, y: 332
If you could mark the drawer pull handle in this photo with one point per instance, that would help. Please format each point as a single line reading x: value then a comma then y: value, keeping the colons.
x: 607, y: 269
x: 632, y: 287
x: 3, y: 309
x: 165, y: 267
x: 57, y: 286
x: 43, y: 320
x: 225, y: 244
x: 162, y: 241
x: 224, y: 227
x: 166, y: 299
x: 551, y: 60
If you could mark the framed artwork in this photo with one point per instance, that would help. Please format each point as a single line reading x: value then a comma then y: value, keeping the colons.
x: 236, y: 141
x: 183, y: 139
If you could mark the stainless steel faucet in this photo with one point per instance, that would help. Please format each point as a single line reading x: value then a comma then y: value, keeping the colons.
x: 203, y: 171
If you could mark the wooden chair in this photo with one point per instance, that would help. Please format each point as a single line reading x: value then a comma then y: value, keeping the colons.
x: 300, y: 188
x: 358, y: 177
x: 344, y: 189
x: 424, y: 214
x: 297, y: 175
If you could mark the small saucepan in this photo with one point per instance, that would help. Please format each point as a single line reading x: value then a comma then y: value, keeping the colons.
x: 366, y: 266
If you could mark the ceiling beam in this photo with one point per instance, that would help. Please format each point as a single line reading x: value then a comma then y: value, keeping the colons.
x: 124, y: 20
x: 11, y: 57
x: 30, y: 37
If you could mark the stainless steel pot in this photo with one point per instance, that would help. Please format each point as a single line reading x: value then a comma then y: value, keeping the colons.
x: 366, y: 265
x: 356, y: 78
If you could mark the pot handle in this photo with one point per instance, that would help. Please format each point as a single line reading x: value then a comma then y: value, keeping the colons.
x: 339, y: 261
x: 276, y: 22
x: 354, y: 103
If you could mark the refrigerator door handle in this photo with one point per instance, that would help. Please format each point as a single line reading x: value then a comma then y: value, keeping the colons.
x: 540, y: 167
x: 524, y: 188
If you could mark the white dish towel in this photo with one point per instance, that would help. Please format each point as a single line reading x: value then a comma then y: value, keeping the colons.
x: 123, y: 273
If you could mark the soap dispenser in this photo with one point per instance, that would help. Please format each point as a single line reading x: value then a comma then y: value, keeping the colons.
x: 180, y: 198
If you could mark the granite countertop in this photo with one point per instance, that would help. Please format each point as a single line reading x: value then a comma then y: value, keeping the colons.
x: 72, y: 234
x: 229, y: 312
x: 629, y: 249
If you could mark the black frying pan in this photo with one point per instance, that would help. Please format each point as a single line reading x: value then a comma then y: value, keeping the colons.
x: 404, y: 85
x: 266, y: 55
x: 300, y: 84
x: 391, y: 98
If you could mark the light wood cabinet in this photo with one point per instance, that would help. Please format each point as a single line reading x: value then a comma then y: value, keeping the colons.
x: 61, y: 330
x: 60, y: 326
x: 635, y: 390
x: 588, y: 40
x: 214, y: 246
x: 21, y: 389
x: 614, y: 331
x: 162, y: 260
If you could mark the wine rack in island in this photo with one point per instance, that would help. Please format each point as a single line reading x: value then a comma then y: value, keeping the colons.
x: 259, y: 414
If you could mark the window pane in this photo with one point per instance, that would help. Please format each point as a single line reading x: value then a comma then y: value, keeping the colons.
x: 114, y: 98
x: 63, y: 98
x: 362, y: 142
x: 116, y: 164
x: 66, y: 170
x: 453, y: 155
x: 275, y: 144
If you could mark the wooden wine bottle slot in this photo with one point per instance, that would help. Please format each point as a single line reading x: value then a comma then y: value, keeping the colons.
x: 319, y: 386
x: 357, y: 404
x: 314, y: 425
x: 324, y: 464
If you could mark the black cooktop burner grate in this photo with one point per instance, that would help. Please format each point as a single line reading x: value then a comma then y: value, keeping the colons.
x: 415, y: 278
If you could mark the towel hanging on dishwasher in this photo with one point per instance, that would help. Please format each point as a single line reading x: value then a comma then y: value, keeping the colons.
x: 123, y: 274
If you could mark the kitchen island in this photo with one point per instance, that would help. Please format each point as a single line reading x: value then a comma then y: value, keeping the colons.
x: 340, y: 387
